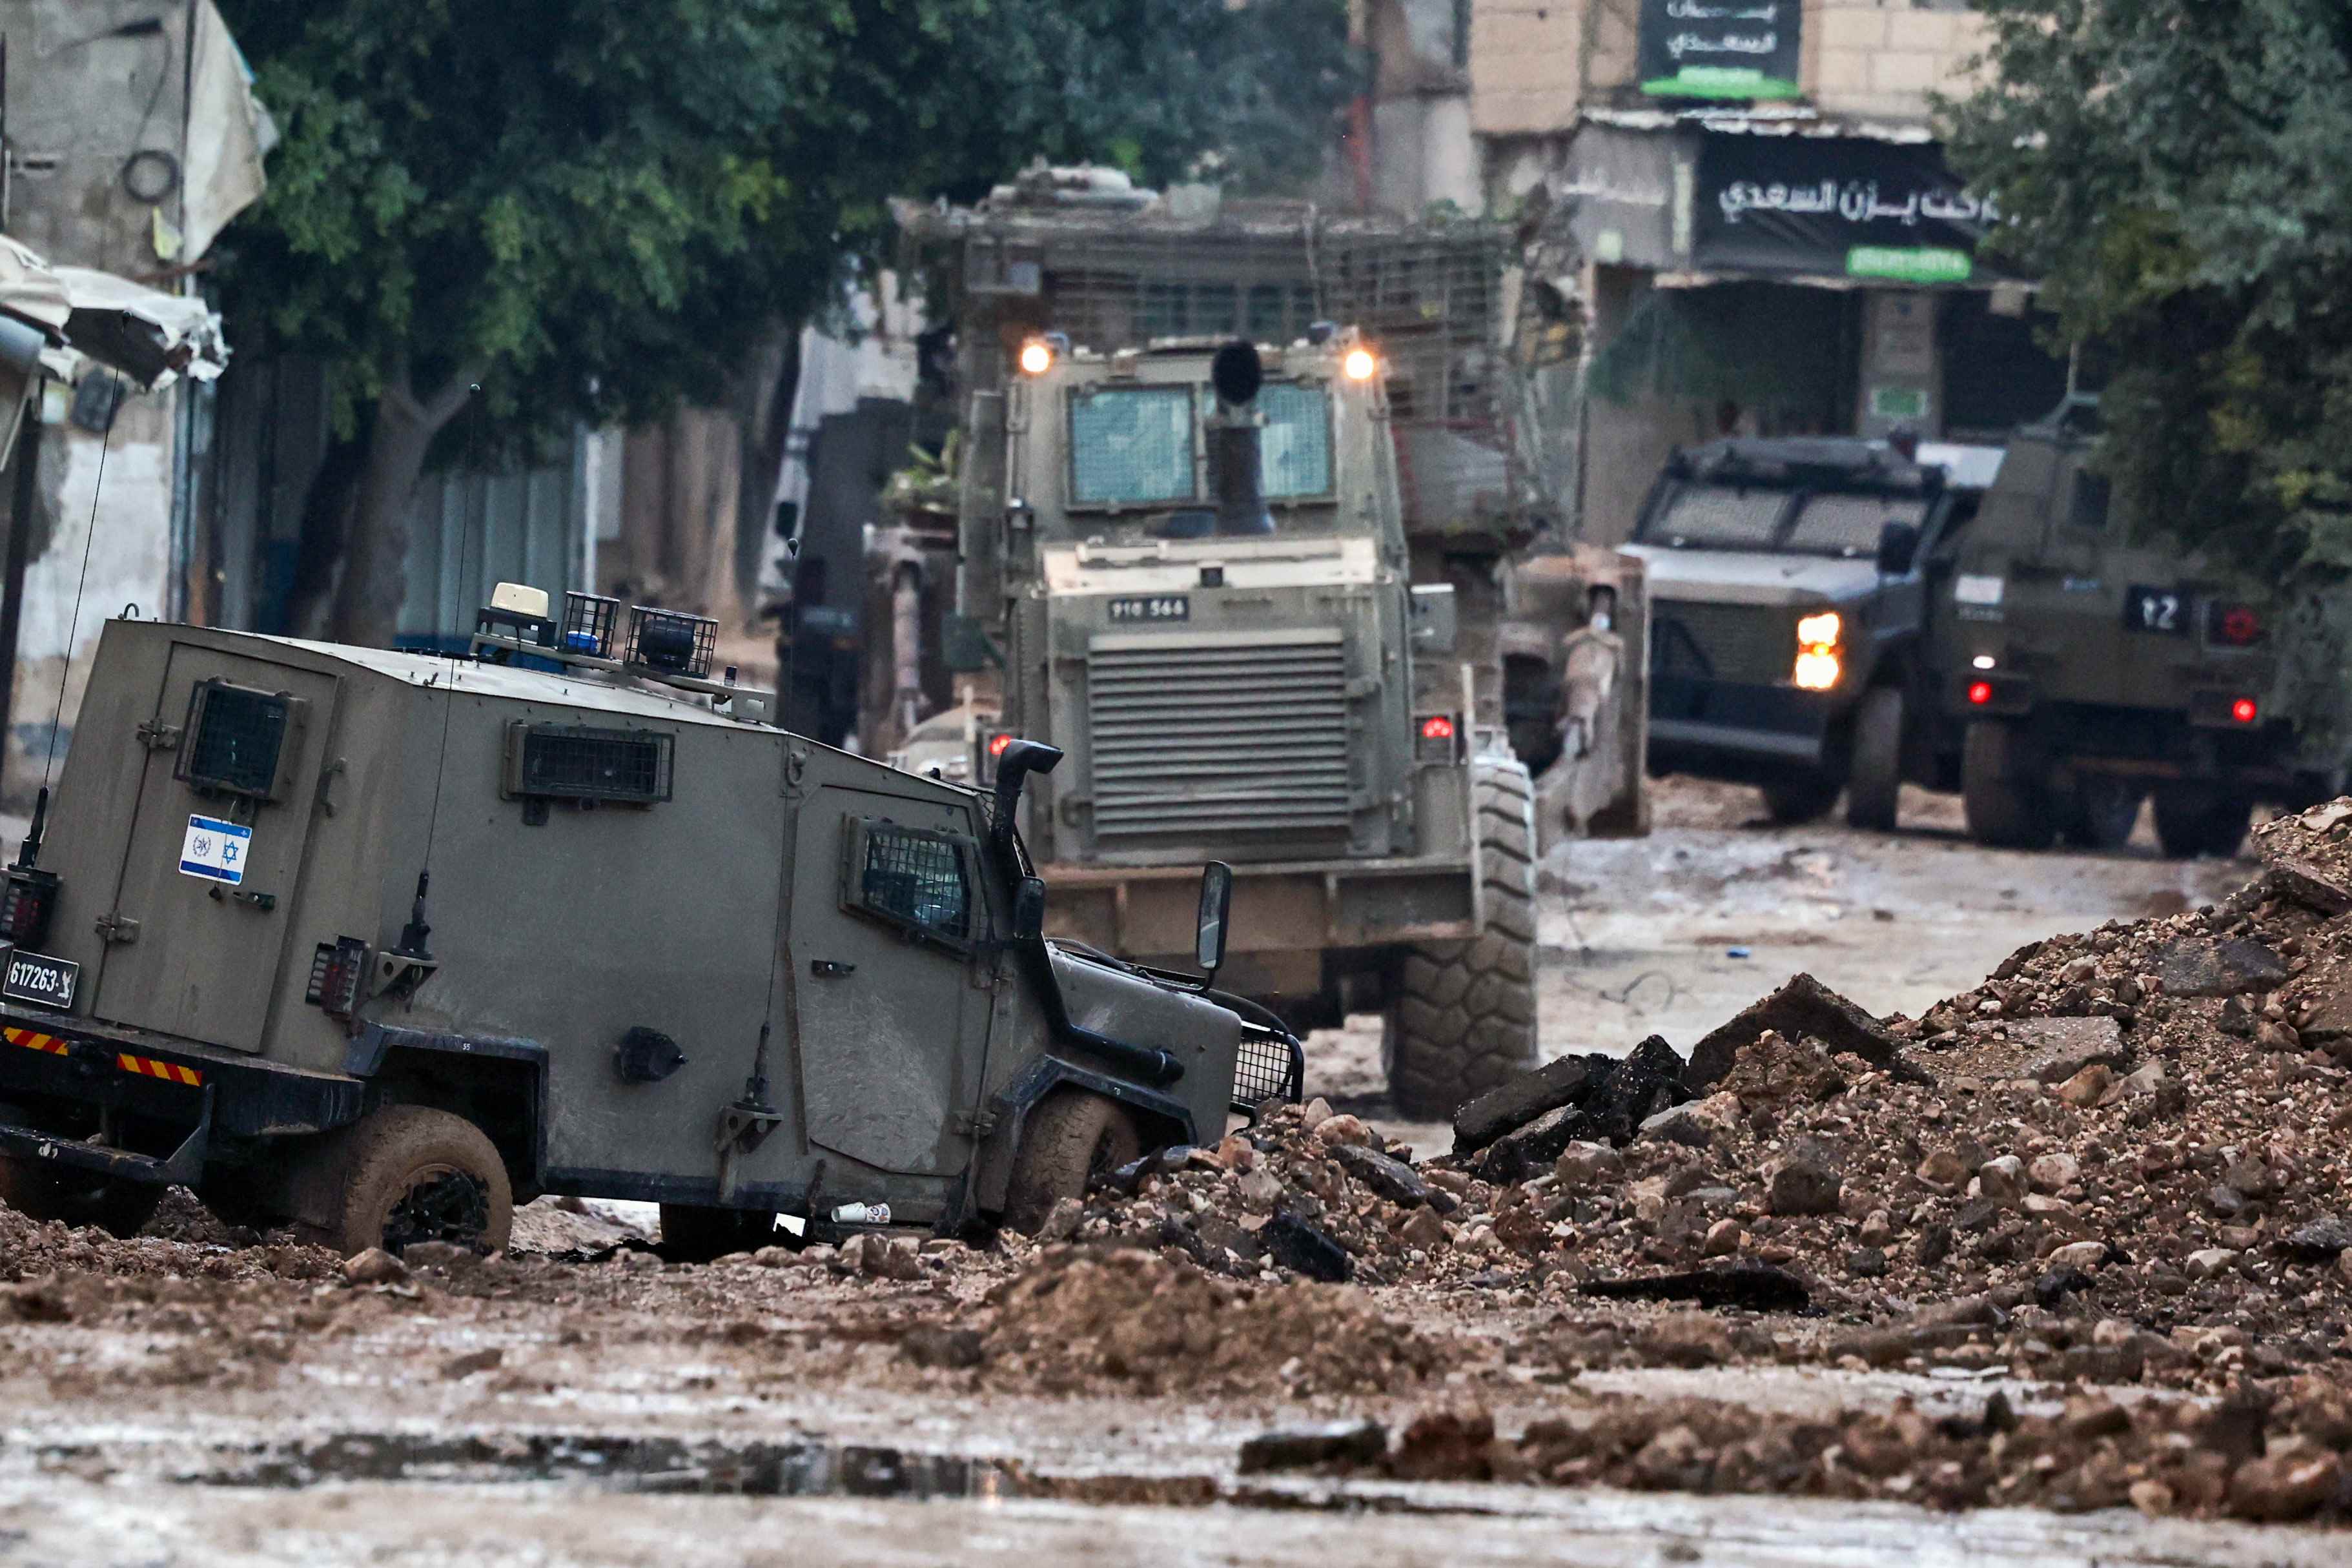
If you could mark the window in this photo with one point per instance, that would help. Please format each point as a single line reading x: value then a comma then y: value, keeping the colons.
x: 2092, y: 493
x: 1849, y: 524
x: 1719, y: 515
x: 1295, y: 448
x: 914, y: 878
x: 236, y: 739
x: 581, y: 762
x: 1131, y: 445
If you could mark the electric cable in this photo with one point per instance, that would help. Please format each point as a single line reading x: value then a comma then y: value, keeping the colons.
x: 73, y: 626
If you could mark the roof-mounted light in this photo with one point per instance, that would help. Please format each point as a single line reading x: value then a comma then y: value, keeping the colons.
x: 1036, y: 357
x: 1360, y: 365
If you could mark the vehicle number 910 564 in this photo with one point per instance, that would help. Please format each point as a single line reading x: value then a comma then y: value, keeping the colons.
x: 1153, y: 607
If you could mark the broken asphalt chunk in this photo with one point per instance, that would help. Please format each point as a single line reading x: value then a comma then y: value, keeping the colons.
x: 2192, y: 966
x: 1519, y: 1101
x: 1759, y: 1287
x: 1391, y: 1177
x: 1804, y: 1007
x: 1305, y: 1248
x: 1305, y: 1448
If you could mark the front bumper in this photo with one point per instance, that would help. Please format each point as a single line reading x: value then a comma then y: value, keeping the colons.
x: 1149, y: 913
x: 1727, y: 729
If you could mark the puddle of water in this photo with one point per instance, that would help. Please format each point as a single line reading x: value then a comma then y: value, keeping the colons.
x: 667, y: 1465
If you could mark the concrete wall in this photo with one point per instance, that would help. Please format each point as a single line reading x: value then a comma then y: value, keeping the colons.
x: 1532, y: 61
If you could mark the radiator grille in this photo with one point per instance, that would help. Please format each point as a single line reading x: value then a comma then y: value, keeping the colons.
x: 1752, y: 644
x: 1192, y: 738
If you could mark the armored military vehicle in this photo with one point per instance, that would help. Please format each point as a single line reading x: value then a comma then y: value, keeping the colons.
x: 381, y: 944
x: 2092, y: 668
x: 1790, y: 581
x: 1207, y: 605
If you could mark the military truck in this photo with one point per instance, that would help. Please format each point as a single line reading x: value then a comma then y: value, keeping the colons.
x: 2092, y: 668
x: 381, y: 944
x: 1207, y: 605
x: 1790, y: 581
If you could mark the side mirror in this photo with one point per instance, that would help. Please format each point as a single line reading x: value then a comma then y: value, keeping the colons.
x: 1029, y: 909
x: 1898, y: 544
x: 1216, y: 903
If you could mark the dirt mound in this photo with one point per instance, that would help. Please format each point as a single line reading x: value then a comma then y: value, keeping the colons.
x: 30, y: 1250
x: 1080, y: 1316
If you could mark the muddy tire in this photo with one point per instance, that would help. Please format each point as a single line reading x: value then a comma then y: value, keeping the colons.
x: 408, y: 1174
x: 1463, y: 1019
x: 119, y: 1208
x: 1876, y: 780
x: 2190, y: 822
x: 2001, y: 791
x: 691, y: 1233
x: 1073, y: 1137
x: 1801, y: 799
x: 2101, y: 812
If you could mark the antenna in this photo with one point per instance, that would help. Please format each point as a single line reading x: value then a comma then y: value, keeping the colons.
x: 418, y: 933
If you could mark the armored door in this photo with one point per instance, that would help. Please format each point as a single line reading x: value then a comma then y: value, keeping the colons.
x: 889, y: 929
x: 200, y: 916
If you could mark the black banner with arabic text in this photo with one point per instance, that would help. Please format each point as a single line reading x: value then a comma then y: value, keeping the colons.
x: 1835, y: 206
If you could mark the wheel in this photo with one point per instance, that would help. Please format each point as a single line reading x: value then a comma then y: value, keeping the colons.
x: 2101, y: 812
x: 74, y: 1198
x: 1073, y: 1137
x: 2001, y: 790
x: 693, y: 1234
x: 2193, y: 822
x: 1876, y: 779
x: 408, y: 1174
x: 1463, y: 1018
x: 1800, y: 798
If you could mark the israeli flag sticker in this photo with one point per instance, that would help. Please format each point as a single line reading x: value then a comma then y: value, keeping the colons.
x: 214, y: 849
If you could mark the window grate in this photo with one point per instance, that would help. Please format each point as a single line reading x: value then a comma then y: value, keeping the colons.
x: 917, y: 879
x: 1131, y: 445
x: 238, y: 739
x: 581, y: 762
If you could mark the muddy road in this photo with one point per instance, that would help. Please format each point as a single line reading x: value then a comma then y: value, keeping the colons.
x: 201, y: 1396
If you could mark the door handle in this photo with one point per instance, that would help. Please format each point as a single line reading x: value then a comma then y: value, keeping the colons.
x: 830, y: 969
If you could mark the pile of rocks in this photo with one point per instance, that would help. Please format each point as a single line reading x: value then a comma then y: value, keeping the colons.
x: 2276, y: 1457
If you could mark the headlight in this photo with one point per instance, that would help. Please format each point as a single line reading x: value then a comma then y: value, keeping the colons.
x: 1818, y: 669
x: 1821, y: 631
x: 1359, y: 364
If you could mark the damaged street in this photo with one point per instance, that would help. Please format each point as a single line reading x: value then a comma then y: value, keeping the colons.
x: 2055, y: 1270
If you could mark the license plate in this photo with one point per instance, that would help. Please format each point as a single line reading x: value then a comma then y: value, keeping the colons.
x: 2155, y: 610
x: 1154, y: 607
x: 42, y: 982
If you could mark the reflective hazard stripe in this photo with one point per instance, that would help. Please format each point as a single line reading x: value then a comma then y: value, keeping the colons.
x: 144, y: 1066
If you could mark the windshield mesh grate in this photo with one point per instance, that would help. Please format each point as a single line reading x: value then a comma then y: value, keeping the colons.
x: 238, y: 735
x: 1131, y: 445
x: 1294, y: 446
x: 1849, y: 524
x: 579, y: 762
x: 916, y: 878
x: 1720, y: 516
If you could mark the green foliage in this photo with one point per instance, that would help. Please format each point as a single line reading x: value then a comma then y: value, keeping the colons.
x: 591, y: 205
x: 2179, y: 172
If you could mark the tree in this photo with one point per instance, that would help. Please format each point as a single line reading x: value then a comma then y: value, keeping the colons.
x: 585, y: 209
x: 2180, y: 173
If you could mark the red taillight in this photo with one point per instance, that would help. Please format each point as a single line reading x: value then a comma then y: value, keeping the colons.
x: 1979, y: 692
x: 2238, y: 625
x: 1437, y: 726
x: 24, y: 907
x: 997, y: 743
x: 2244, y: 710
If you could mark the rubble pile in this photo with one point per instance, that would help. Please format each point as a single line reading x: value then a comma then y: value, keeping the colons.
x: 1077, y: 1316
x: 32, y: 1250
x: 2272, y: 1459
x: 2122, y: 1156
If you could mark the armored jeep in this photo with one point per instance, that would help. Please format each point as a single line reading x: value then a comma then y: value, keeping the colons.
x: 1205, y: 599
x: 1789, y: 580
x: 2093, y: 666
x: 381, y: 944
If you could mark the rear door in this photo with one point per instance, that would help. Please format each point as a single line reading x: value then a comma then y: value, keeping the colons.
x: 201, y: 913
x: 889, y: 928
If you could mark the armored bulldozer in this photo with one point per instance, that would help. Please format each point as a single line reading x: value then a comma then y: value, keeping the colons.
x: 381, y: 944
x: 1207, y: 604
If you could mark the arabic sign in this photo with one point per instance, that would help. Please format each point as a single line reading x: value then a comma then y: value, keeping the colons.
x: 1627, y: 196
x: 1720, y: 49
x: 1839, y: 206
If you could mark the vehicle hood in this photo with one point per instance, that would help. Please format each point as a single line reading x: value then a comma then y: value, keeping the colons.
x: 1755, y: 577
